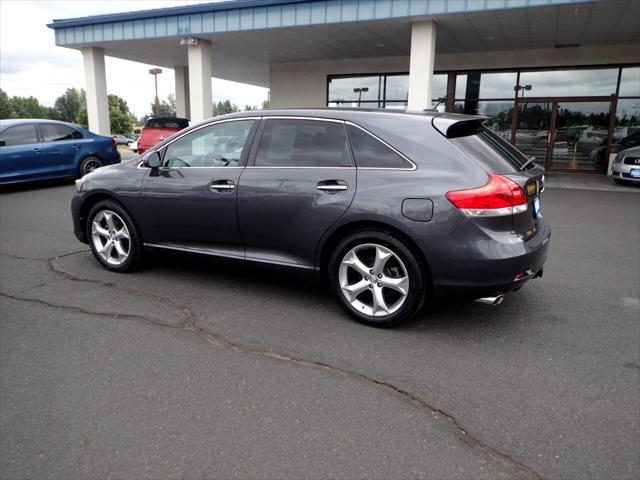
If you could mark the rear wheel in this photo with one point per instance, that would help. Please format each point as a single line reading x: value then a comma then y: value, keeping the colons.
x: 377, y: 278
x: 114, y: 237
x: 89, y: 164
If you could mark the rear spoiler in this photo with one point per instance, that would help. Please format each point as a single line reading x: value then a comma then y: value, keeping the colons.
x: 452, y: 125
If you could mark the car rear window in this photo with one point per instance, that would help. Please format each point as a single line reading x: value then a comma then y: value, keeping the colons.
x: 497, y: 155
x: 167, y: 123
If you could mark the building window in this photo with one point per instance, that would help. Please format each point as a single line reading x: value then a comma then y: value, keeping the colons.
x: 570, y: 83
x: 377, y: 91
x: 630, y: 82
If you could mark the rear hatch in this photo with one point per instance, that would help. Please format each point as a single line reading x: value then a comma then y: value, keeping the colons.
x: 498, y: 157
x: 159, y: 128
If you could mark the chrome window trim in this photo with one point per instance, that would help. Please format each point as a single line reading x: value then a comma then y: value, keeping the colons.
x: 298, y: 168
x: 316, y: 119
x: 296, y: 117
x: 402, y: 155
x: 210, y: 124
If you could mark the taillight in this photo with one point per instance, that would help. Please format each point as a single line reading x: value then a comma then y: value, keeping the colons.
x: 499, y: 197
x: 114, y: 144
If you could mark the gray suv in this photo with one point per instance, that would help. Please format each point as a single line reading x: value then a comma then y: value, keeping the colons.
x: 392, y: 209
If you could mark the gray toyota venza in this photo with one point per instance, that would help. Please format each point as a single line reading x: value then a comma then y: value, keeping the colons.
x: 391, y: 209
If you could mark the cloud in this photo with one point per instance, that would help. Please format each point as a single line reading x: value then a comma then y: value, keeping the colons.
x: 32, y: 65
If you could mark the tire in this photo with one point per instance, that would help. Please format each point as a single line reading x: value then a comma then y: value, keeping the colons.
x: 372, y: 303
x: 89, y: 164
x: 620, y: 182
x: 109, y: 222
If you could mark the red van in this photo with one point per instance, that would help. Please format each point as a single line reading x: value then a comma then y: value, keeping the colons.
x: 157, y: 129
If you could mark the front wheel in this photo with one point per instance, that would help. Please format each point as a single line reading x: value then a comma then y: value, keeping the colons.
x: 114, y: 237
x: 377, y: 278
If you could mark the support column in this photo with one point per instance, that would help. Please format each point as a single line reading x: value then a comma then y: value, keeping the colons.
x: 421, y: 65
x: 200, y: 73
x: 95, y: 81
x: 183, y: 109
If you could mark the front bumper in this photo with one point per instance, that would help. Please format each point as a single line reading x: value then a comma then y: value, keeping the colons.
x: 78, y: 229
x: 623, y: 172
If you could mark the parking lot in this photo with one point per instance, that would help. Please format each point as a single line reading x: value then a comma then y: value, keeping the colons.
x: 198, y: 367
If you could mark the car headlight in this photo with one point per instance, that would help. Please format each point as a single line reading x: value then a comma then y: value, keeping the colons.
x: 619, y: 158
x: 79, y: 183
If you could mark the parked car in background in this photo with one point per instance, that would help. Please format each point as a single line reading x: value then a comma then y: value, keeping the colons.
x: 156, y: 129
x: 626, y: 167
x: 47, y: 149
x: 441, y: 206
x: 122, y: 140
x: 597, y: 154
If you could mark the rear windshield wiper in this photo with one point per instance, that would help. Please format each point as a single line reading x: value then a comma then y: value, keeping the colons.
x: 527, y: 163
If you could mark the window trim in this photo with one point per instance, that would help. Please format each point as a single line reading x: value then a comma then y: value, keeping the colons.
x: 252, y: 159
x: 35, y: 128
x: 39, y: 126
x: 393, y: 149
x: 243, y: 159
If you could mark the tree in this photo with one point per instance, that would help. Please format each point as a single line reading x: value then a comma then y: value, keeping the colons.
x: 6, y: 109
x: 266, y: 105
x: 224, y: 107
x: 249, y: 108
x: 67, y: 107
x: 165, y: 108
x: 29, y: 107
x: 121, y: 118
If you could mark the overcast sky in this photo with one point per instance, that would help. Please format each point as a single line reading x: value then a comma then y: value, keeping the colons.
x: 31, y: 64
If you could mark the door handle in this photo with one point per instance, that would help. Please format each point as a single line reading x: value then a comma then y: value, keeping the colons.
x: 330, y: 186
x: 222, y: 185
x: 37, y: 150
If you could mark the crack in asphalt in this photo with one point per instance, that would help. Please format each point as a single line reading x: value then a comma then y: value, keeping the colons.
x: 190, y: 324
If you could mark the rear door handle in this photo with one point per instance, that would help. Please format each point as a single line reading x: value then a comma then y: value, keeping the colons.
x: 222, y: 186
x: 331, y: 186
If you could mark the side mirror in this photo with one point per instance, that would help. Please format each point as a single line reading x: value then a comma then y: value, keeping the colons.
x: 152, y: 160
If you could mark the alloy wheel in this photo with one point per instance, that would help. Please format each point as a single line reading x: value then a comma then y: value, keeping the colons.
x: 90, y: 165
x: 110, y: 237
x: 373, y: 280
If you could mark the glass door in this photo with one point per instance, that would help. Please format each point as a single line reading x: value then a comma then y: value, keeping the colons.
x: 533, y: 133
x: 580, y: 137
x: 564, y: 134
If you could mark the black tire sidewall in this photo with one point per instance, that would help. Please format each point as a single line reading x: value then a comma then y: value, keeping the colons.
x: 417, y: 283
x: 135, y: 240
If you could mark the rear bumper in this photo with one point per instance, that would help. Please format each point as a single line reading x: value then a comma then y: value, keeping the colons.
x: 486, y: 266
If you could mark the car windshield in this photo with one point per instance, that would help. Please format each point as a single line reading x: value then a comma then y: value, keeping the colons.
x: 167, y: 123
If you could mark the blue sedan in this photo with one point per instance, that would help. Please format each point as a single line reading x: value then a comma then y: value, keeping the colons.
x: 48, y: 149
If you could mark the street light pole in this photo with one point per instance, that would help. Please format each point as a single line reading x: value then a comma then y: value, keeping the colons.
x: 359, y: 92
x: 155, y: 72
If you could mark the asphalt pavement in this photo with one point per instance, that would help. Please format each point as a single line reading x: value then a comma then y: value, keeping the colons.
x: 200, y: 368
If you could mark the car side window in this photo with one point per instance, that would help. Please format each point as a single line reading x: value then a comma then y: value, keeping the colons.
x: 55, y: 133
x: 370, y: 152
x: 20, y: 135
x: 303, y: 143
x: 218, y: 145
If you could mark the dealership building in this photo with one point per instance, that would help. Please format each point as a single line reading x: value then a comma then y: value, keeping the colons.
x: 559, y: 78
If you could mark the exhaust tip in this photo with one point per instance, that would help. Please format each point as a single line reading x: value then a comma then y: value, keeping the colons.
x: 497, y: 300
